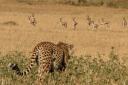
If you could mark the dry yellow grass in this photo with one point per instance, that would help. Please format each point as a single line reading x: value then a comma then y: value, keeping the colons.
x: 17, y: 34
x: 23, y: 36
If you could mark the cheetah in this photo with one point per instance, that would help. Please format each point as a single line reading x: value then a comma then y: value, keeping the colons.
x: 48, y: 56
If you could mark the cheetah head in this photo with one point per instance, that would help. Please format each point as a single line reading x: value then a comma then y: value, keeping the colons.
x: 68, y: 47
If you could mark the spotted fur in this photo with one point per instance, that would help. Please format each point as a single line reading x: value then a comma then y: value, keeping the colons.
x: 48, y: 57
x: 44, y: 54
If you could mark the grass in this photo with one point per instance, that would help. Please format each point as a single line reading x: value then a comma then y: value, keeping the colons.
x: 84, y: 70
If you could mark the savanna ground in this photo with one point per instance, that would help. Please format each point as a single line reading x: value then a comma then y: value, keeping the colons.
x: 18, y: 38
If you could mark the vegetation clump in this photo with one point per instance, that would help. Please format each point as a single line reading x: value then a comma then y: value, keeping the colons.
x: 108, y: 3
x: 84, y: 70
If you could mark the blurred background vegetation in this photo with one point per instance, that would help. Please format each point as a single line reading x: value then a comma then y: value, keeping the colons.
x: 107, y: 3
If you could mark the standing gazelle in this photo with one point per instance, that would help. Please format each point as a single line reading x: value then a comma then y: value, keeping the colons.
x: 63, y: 23
x: 105, y: 23
x: 32, y: 20
x: 75, y: 23
x: 124, y: 22
x: 91, y: 23
x: 89, y: 20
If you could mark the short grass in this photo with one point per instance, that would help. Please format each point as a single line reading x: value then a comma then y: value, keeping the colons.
x: 84, y: 70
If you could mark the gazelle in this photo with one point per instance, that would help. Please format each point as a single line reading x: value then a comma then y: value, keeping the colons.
x: 63, y: 23
x: 32, y: 20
